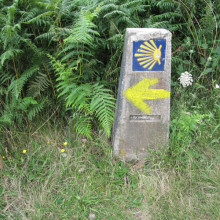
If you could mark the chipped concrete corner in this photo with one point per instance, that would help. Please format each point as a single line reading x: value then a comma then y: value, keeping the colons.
x: 143, y: 102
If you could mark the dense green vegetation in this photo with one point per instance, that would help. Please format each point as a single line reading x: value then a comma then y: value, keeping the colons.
x: 59, y: 70
x: 67, y: 54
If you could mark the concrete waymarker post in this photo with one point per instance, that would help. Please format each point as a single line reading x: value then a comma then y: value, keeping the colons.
x: 143, y: 102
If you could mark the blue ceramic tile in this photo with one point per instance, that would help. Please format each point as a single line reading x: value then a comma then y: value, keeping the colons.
x: 149, y: 55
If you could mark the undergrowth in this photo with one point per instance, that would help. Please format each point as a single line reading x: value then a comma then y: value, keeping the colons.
x: 50, y: 173
x: 60, y: 64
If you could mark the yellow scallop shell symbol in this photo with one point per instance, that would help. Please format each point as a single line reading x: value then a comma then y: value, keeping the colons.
x: 149, y: 54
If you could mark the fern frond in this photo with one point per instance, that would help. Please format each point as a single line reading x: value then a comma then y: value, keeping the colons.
x: 66, y: 7
x: 6, y: 77
x: 83, y: 30
x: 24, y: 103
x: 36, y: 109
x: 38, y: 85
x: 51, y: 35
x: 64, y: 31
x: 168, y: 15
x: 208, y: 21
x: 114, y: 13
x: 83, y: 124
x: 18, y: 84
x: 71, y: 54
x: 126, y: 20
x: 79, y: 96
x: 102, y: 104
x: 161, y: 24
x: 5, y: 119
x: 40, y: 19
x: 28, y: 15
x: 108, y: 7
x: 33, y: 46
x: 175, y: 27
x: 9, y: 54
x: 134, y: 4
x: 3, y: 18
x: 167, y: 4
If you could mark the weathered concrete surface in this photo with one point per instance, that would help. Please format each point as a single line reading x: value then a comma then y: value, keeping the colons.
x: 143, y: 103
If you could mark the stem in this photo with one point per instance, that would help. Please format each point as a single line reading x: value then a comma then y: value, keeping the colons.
x: 60, y: 42
x: 54, y: 92
x: 16, y: 73
x: 81, y: 62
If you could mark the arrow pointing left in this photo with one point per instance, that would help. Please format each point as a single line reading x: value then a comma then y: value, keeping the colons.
x: 140, y: 92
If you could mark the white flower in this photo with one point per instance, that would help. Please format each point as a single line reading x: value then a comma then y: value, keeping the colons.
x: 91, y: 216
x: 186, y: 79
x: 217, y: 86
x: 191, y: 51
x: 209, y: 59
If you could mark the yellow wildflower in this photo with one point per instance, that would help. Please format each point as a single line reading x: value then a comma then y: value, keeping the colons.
x: 24, y: 151
x: 62, y: 150
x: 65, y: 143
x: 3, y: 157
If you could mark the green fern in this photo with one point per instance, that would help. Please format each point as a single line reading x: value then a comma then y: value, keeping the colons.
x: 89, y: 102
x: 6, y: 77
x: 24, y: 103
x: 38, y: 85
x: 18, y: 84
x: 36, y: 109
x: 103, y: 105
x: 7, y: 55
x: 14, y: 109
x: 209, y: 22
x: 87, y: 37
x: 80, y: 41
x: 83, y: 124
x: 40, y: 19
x: 83, y: 30
x: 122, y: 13
x: 166, y: 4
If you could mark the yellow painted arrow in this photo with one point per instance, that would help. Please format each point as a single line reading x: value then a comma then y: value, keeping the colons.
x: 139, y: 92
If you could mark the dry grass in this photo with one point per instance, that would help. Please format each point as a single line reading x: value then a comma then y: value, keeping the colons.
x: 45, y: 184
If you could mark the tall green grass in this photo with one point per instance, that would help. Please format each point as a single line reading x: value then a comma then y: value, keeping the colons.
x: 181, y: 181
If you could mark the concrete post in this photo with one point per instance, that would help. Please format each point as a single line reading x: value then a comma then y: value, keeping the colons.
x: 143, y: 102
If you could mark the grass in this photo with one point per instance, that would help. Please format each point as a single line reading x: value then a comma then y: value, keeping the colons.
x: 47, y: 184
x: 181, y: 181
